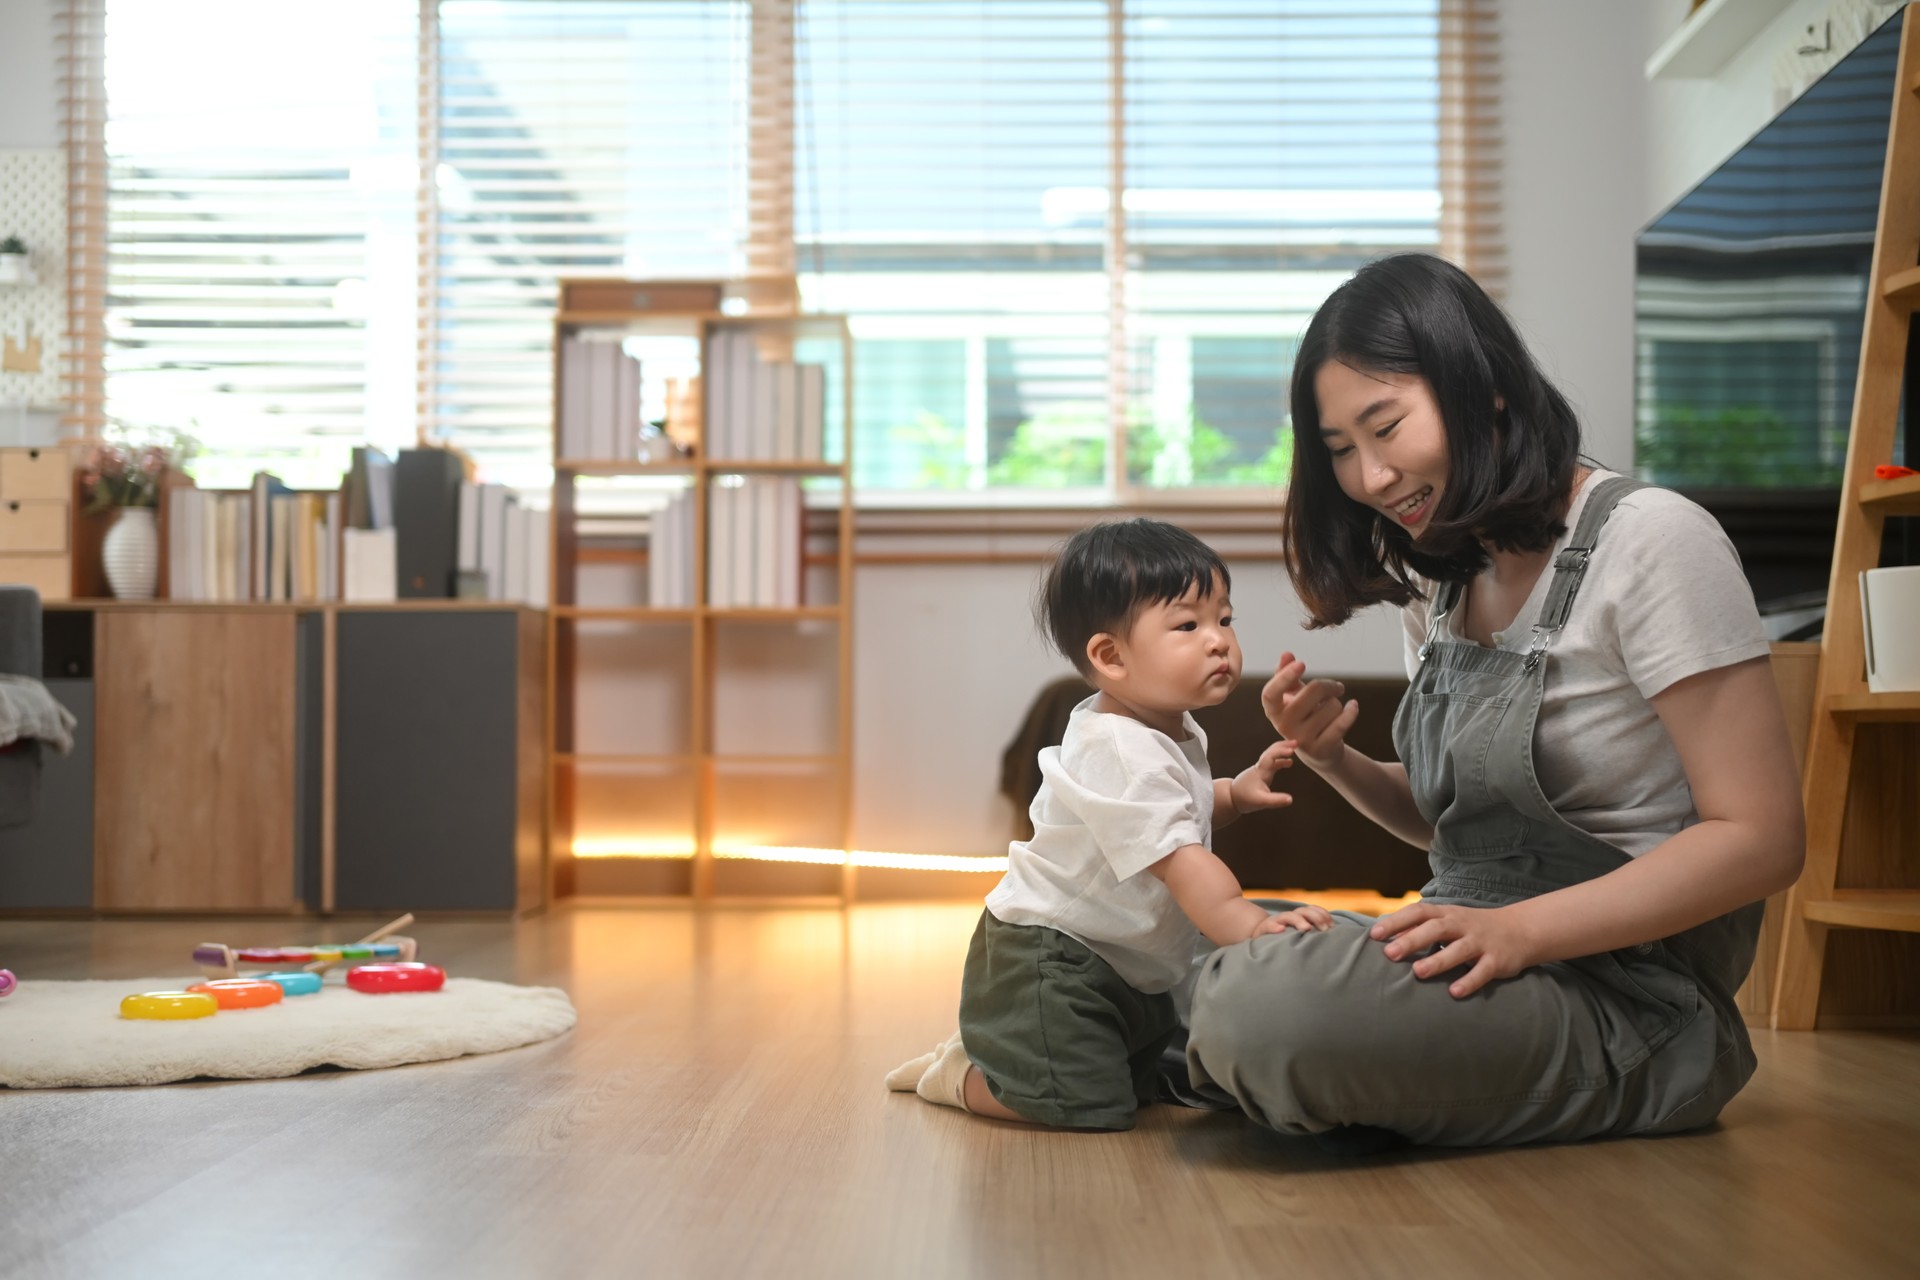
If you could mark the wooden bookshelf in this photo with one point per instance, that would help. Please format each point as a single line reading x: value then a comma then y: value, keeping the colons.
x: 705, y: 797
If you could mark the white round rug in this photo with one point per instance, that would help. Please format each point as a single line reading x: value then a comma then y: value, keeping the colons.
x: 59, y: 1034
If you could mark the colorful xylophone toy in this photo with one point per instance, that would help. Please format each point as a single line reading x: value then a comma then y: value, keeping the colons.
x: 217, y: 960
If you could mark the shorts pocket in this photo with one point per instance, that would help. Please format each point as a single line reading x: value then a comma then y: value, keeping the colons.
x: 1650, y: 999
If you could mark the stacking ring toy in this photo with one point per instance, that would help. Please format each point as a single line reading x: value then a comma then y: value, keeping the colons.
x: 7, y: 982
x: 241, y: 993
x: 297, y: 983
x: 168, y: 1005
x: 381, y: 979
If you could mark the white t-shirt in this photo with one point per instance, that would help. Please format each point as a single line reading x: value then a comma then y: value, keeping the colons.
x: 1663, y: 599
x: 1115, y: 798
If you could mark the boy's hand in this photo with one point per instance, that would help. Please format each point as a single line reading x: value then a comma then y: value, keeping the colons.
x: 1311, y: 713
x: 1253, y: 786
x: 1307, y: 919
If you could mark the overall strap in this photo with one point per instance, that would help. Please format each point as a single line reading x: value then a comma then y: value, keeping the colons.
x: 1570, y: 566
x: 1445, y: 596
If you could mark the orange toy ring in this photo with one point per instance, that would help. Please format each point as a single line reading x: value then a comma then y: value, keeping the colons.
x: 241, y: 993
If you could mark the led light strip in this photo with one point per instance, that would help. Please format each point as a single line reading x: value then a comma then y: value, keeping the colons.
x: 788, y: 853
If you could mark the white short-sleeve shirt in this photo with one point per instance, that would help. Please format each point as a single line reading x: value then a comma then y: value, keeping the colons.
x: 1115, y: 797
x: 1663, y: 599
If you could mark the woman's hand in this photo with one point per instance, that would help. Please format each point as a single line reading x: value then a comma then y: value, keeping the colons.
x: 1252, y: 787
x: 1307, y: 919
x: 1491, y: 939
x: 1310, y: 713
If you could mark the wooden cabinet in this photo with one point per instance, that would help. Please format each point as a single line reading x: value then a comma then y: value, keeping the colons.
x: 36, y: 517
x: 292, y: 758
x: 194, y: 763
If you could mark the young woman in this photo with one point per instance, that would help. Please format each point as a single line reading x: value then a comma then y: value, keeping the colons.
x: 1592, y: 750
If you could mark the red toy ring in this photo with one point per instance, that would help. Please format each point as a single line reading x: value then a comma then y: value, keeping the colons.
x: 403, y: 975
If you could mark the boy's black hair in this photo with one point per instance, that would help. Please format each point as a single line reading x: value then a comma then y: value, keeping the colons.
x: 1106, y: 574
x: 1509, y: 468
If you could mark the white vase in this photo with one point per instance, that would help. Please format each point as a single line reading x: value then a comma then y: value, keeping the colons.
x: 131, y: 554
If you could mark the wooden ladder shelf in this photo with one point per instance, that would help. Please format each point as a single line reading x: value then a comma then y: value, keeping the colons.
x: 1866, y: 803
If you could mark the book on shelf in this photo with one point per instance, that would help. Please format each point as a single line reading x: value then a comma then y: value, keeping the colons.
x: 599, y: 413
x: 670, y: 553
x: 369, y: 565
x: 761, y: 410
x: 755, y: 544
x: 426, y: 521
x: 304, y: 549
x: 368, y: 489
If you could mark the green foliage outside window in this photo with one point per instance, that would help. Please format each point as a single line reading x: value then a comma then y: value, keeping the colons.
x: 1066, y: 448
x: 1727, y: 449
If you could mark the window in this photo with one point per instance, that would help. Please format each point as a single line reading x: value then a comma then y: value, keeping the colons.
x: 368, y: 250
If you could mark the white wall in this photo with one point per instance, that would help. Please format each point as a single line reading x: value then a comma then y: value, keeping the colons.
x: 29, y: 120
x: 1692, y: 125
x: 29, y: 89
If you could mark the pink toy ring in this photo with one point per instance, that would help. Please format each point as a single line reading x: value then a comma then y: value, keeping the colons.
x: 405, y: 975
x: 7, y: 982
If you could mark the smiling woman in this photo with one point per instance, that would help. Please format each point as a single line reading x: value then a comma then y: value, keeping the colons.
x: 1596, y: 763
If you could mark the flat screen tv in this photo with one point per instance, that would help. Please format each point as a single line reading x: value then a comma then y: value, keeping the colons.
x: 1750, y: 294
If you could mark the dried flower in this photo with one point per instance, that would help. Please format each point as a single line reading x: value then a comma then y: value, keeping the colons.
x: 120, y: 470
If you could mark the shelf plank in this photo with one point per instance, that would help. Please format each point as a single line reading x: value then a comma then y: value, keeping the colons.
x: 772, y: 466
x: 750, y: 760
x: 1880, y: 708
x: 1894, y: 909
x: 566, y: 758
x: 594, y: 613
x: 820, y: 612
x: 588, y: 467
x: 1903, y: 288
x: 1892, y: 497
x: 1710, y: 36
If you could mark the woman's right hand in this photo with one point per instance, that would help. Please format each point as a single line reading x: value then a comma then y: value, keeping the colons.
x: 1314, y: 714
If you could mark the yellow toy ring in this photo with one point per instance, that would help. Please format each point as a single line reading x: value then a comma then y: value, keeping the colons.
x: 168, y: 1005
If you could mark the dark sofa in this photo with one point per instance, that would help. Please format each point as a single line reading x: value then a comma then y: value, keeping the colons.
x: 1317, y: 842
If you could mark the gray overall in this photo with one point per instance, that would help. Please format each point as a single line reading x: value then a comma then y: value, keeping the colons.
x: 1313, y: 1032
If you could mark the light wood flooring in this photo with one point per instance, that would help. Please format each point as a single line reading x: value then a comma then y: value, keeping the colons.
x: 719, y: 1112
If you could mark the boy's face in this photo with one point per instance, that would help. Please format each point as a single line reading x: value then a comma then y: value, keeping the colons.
x: 1178, y: 655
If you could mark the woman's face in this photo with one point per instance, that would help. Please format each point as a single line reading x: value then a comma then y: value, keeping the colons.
x: 1388, y: 443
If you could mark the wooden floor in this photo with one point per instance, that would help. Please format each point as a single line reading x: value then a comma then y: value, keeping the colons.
x: 719, y: 1112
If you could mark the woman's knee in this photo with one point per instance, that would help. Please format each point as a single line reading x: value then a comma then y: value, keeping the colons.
x: 1273, y: 1007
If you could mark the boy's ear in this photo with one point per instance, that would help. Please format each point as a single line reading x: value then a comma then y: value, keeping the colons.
x: 1103, y: 651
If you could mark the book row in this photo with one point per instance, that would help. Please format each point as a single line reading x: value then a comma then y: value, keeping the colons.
x: 762, y: 410
x: 754, y: 551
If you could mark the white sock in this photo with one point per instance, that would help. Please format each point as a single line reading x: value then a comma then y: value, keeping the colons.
x: 945, y: 1081
x: 903, y: 1078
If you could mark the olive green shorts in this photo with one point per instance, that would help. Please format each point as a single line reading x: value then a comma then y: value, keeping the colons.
x: 1060, y: 1037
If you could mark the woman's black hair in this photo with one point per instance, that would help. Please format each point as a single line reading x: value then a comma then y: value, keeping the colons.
x: 1509, y: 469
x: 1106, y: 574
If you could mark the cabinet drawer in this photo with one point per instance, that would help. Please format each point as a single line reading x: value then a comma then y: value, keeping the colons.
x: 51, y: 576
x: 35, y: 475
x: 33, y: 526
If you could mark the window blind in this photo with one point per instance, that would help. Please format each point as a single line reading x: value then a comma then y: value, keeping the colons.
x: 259, y: 225
x: 944, y: 149
x: 1271, y: 148
x: 371, y: 253
x: 576, y: 138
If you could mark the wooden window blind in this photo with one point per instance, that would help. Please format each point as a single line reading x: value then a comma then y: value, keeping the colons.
x: 81, y: 34
x: 1472, y: 218
x: 945, y: 171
